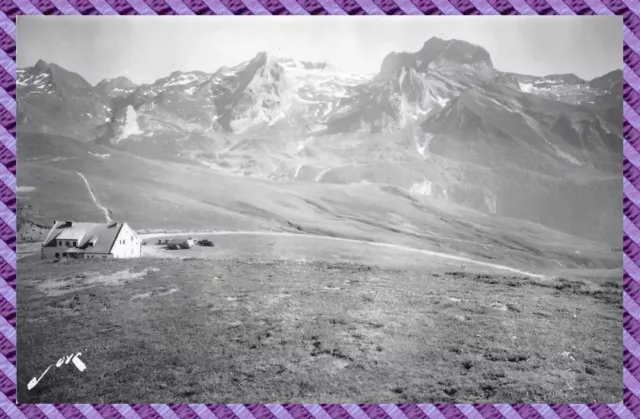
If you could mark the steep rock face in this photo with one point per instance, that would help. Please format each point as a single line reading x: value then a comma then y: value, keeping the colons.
x: 440, y: 123
x: 267, y: 94
x: 160, y: 116
x: 191, y: 115
x: 602, y: 94
x: 54, y: 100
x: 437, y: 52
x: 530, y: 150
x: 561, y: 135
x: 609, y: 98
x: 610, y: 82
x: 395, y: 62
x: 411, y: 85
x: 257, y: 92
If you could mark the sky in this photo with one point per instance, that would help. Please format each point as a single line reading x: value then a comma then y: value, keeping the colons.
x: 146, y: 48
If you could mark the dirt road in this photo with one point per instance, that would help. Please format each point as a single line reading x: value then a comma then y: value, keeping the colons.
x: 447, y: 256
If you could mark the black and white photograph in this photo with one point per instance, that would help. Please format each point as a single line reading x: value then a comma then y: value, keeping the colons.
x: 319, y: 209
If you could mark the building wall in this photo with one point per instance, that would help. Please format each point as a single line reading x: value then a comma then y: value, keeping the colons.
x: 57, y: 246
x: 127, y: 245
x: 50, y: 252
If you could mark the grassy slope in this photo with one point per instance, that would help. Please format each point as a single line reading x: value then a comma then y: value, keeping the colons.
x: 161, y: 195
x: 57, y: 193
x: 308, y: 332
x: 33, y: 146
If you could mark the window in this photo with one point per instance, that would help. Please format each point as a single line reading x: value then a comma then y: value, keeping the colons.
x: 67, y: 244
x: 59, y: 242
x: 57, y: 255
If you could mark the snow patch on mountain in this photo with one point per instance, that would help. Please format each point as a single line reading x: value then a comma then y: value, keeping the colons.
x: 491, y: 202
x: 424, y: 188
x: 182, y: 79
x: 566, y: 156
x: 441, y: 101
x: 316, y: 127
x: 131, y: 126
x: 41, y: 82
x: 423, y: 149
x: 526, y: 87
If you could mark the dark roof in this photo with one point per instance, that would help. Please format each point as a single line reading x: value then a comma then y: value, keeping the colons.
x: 102, y: 235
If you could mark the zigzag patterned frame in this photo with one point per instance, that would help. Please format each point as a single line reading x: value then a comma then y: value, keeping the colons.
x: 629, y: 9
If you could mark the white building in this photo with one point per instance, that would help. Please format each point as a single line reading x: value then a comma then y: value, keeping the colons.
x: 91, y: 240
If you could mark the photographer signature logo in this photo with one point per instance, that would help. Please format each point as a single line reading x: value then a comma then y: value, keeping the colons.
x: 62, y: 361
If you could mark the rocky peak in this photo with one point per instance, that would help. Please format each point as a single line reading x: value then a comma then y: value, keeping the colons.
x: 266, y: 66
x: 434, y: 50
x: 41, y: 66
x: 458, y: 52
x: 262, y: 58
x: 59, y: 78
x: 611, y: 82
x: 395, y: 62
x: 433, y: 46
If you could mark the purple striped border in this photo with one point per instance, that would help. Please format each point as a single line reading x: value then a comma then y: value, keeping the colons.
x: 629, y: 9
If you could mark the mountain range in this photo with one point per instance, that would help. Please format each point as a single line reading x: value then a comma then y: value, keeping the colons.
x: 439, y: 124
